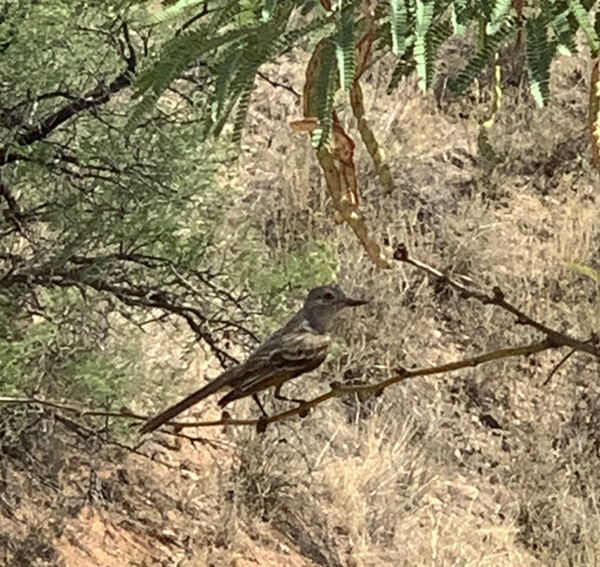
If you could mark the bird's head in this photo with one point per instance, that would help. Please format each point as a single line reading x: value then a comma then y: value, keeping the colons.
x: 325, y: 301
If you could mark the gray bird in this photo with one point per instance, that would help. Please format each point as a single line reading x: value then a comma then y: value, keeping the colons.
x: 298, y: 347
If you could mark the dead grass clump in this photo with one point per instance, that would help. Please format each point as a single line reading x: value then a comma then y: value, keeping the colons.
x: 374, y: 496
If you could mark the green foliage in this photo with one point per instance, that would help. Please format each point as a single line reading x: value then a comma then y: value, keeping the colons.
x: 43, y: 35
x: 234, y: 39
x: 540, y: 52
x: 583, y: 19
x: 326, y: 85
x: 564, y: 27
x: 116, y: 230
x: 119, y: 215
x: 269, y: 8
x: 501, y: 13
x: 64, y: 354
x: 424, y: 11
x: 313, y: 264
x: 399, y: 27
x: 486, y: 52
x: 173, y: 11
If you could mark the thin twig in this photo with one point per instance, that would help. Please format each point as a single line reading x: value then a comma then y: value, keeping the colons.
x: 557, y: 367
x: 279, y: 85
x: 590, y: 346
x: 303, y: 409
x: 400, y: 376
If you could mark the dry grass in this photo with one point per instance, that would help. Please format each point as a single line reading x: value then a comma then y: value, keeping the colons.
x: 483, y: 468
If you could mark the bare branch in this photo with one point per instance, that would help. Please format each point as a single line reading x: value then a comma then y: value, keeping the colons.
x: 302, y: 410
x: 107, y: 274
x: 589, y: 346
x: 401, y: 375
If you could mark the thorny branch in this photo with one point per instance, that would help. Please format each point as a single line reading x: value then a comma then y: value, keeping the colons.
x: 169, y: 295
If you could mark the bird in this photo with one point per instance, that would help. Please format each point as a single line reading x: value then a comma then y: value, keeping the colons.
x: 298, y: 347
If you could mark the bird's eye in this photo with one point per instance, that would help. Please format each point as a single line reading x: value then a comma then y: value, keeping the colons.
x: 328, y: 295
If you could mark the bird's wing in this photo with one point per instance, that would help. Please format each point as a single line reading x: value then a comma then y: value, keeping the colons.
x: 279, y: 359
x: 282, y: 357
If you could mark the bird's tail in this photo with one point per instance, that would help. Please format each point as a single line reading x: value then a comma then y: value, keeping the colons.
x: 186, y: 403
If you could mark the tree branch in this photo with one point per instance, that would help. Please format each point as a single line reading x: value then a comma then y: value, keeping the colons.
x: 94, y: 98
x: 377, y: 388
x: 91, y: 272
x: 589, y: 346
x: 302, y: 410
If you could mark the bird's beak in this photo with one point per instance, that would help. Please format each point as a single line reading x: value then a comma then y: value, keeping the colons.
x: 351, y: 302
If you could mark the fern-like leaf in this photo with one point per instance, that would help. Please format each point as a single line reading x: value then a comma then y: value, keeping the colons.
x: 345, y: 48
x: 438, y: 33
x: 482, y: 58
x: 183, y: 49
x: 586, y: 25
x: 459, y: 16
x: 173, y: 11
x: 424, y: 10
x: 236, y: 71
x: 325, y: 90
x: 224, y: 74
x: 540, y: 52
x: 226, y: 14
x: 175, y: 57
x: 399, y: 27
x: 501, y: 11
x: 289, y: 39
x: 403, y: 68
x: 565, y: 26
x: 268, y: 9
x: 141, y: 110
x: 143, y: 82
x: 242, y: 111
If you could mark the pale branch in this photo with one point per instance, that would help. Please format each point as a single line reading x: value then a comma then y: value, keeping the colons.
x: 496, y: 297
x: 337, y: 390
x: 401, y: 375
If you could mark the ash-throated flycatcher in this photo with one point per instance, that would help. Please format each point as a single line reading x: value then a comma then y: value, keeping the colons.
x: 298, y: 347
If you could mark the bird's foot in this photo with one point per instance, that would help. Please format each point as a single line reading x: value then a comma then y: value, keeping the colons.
x: 304, y: 409
x: 261, y: 424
